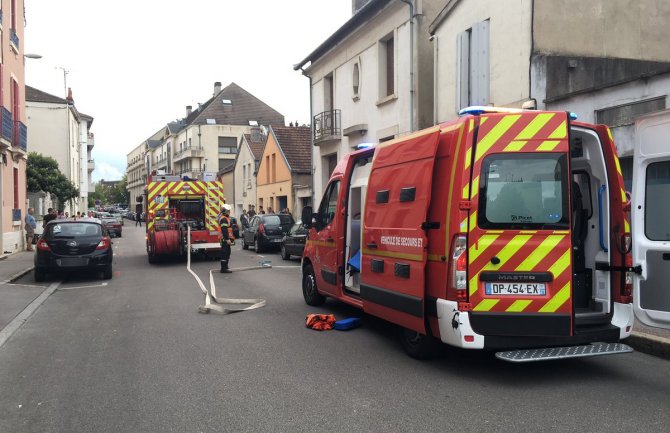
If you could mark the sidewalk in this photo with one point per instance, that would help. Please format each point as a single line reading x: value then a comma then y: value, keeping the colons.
x: 15, y: 298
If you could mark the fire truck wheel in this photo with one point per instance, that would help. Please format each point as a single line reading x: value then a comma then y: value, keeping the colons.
x: 309, y: 292
x: 152, y: 259
x: 417, y: 345
x: 244, y: 245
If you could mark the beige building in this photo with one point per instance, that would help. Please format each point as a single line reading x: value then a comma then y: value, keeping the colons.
x: 58, y: 130
x: 246, y: 163
x: 13, y: 130
x: 284, y: 175
x: 371, y: 81
x: 606, y: 60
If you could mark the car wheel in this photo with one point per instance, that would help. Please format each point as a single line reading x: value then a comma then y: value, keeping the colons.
x: 417, y: 345
x: 244, y: 245
x: 284, y: 254
x: 107, y: 273
x: 309, y: 291
x: 39, y: 275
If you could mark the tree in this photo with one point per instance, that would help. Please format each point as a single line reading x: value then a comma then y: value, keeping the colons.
x: 43, y: 174
x: 111, y: 193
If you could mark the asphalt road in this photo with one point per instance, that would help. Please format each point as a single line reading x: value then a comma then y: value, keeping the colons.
x: 136, y: 356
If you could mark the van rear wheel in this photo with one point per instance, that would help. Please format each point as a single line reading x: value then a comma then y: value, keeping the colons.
x: 309, y: 292
x: 417, y: 345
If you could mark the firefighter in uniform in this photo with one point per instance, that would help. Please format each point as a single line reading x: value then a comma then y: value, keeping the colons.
x: 227, y: 239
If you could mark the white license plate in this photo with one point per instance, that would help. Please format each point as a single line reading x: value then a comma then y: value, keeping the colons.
x: 276, y: 240
x: 516, y: 289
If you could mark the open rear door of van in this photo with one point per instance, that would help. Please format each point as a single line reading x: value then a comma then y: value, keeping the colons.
x: 394, y: 255
x: 651, y: 219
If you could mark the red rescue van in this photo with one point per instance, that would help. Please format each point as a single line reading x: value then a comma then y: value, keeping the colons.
x: 502, y: 230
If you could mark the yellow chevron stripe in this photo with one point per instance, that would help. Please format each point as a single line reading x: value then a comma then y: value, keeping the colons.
x: 609, y: 134
x: 560, y: 132
x: 528, y: 232
x: 468, y: 157
x: 466, y: 191
x: 464, y: 225
x: 486, y: 305
x: 534, y: 126
x: 539, y: 253
x: 519, y: 306
x: 618, y: 166
x: 473, y: 220
x: 624, y: 199
x: 471, y: 125
x: 150, y: 225
x: 475, y: 188
x: 472, y: 284
x: 548, y: 145
x: 480, y: 246
x: 153, y: 189
x: 561, y: 264
x: 626, y: 226
x: 494, y: 135
x: 558, y: 300
x: 515, y: 146
x: 504, y: 255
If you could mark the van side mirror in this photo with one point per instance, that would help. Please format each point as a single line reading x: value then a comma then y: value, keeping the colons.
x: 307, y: 216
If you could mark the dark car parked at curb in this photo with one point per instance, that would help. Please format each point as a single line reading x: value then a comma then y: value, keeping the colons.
x: 266, y: 231
x: 293, y: 243
x: 73, y: 245
x: 113, y: 227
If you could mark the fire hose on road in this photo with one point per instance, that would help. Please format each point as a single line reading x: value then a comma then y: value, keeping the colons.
x: 213, y: 302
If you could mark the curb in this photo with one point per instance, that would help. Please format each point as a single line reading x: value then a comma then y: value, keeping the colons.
x: 650, y: 344
x: 17, y: 275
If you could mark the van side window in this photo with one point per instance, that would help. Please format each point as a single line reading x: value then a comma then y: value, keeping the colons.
x: 524, y: 191
x: 329, y: 203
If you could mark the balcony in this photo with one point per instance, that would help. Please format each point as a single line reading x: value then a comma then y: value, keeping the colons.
x: 91, y: 165
x: 7, y: 125
x: 327, y: 127
x: 188, y: 152
x: 20, y: 136
x: 14, y: 39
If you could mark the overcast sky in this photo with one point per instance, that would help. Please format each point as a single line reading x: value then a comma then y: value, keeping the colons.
x: 134, y: 65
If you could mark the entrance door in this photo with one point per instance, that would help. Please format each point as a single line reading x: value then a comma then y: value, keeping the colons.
x: 394, y: 239
x: 650, y: 216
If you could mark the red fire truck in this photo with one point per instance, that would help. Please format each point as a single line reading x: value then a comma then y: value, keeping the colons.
x: 174, y: 204
x: 502, y: 230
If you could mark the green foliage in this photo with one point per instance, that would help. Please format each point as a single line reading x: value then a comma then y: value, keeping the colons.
x: 109, y: 194
x: 43, y: 174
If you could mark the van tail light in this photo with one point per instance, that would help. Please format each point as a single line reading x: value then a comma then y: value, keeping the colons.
x: 42, y: 245
x: 105, y: 243
x: 459, y: 275
x: 261, y: 228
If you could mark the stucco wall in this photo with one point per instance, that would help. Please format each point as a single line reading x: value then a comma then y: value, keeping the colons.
x: 632, y: 29
x: 244, y: 158
x: 509, y: 52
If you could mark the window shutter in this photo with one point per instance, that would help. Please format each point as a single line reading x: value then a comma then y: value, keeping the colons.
x: 462, y: 70
x: 479, y: 71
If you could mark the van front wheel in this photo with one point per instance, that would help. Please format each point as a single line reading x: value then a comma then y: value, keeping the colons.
x: 309, y: 292
x: 417, y: 345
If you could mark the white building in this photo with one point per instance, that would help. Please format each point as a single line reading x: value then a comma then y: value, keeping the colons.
x: 58, y: 130
x: 371, y: 81
x: 246, y: 166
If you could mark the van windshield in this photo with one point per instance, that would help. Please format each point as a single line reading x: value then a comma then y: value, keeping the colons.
x: 523, y: 190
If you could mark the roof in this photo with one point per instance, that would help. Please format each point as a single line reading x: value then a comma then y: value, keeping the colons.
x: 296, y: 145
x: 175, y: 127
x: 255, y: 146
x: 35, y: 95
x: 228, y: 166
x: 243, y: 107
x: 372, y: 8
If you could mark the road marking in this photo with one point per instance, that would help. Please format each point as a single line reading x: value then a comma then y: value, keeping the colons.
x: 24, y: 315
x: 82, y: 287
x: 24, y: 285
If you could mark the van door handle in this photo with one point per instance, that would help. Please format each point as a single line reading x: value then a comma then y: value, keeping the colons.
x: 372, y: 245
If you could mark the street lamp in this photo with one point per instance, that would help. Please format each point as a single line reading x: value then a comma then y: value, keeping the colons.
x: 32, y: 56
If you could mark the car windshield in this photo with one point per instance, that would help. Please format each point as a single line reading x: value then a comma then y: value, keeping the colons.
x: 72, y: 229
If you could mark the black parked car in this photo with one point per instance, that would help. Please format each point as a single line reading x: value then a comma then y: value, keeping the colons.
x: 266, y: 230
x: 73, y: 245
x: 293, y: 243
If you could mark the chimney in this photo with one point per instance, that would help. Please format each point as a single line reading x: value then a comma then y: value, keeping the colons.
x: 189, y: 109
x: 217, y: 88
x: 70, y: 101
x: 256, y: 135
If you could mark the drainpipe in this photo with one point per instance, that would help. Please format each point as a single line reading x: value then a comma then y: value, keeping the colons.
x: 436, y: 51
x: 411, y: 63
x: 311, y: 122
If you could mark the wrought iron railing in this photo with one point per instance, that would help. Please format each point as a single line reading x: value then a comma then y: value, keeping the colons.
x: 187, y: 149
x: 14, y: 38
x: 20, y: 136
x: 327, y: 126
x: 7, y: 124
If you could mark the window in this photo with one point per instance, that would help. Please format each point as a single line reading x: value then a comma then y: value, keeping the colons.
x: 267, y: 168
x: 356, y: 79
x: 329, y: 203
x: 657, y: 205
x: 328, y: 93
x: 524, y: 191
x: 274, y: 167
x: 228, y: 145
x: 472, y: 80
x: 16, y: 188
x: 386, y: 53
x: 623, y: 115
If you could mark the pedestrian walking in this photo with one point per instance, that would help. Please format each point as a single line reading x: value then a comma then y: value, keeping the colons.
x: 226, y: 238
x: 244, y: 219
x: 31, y: 225
x: 138, y: 215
